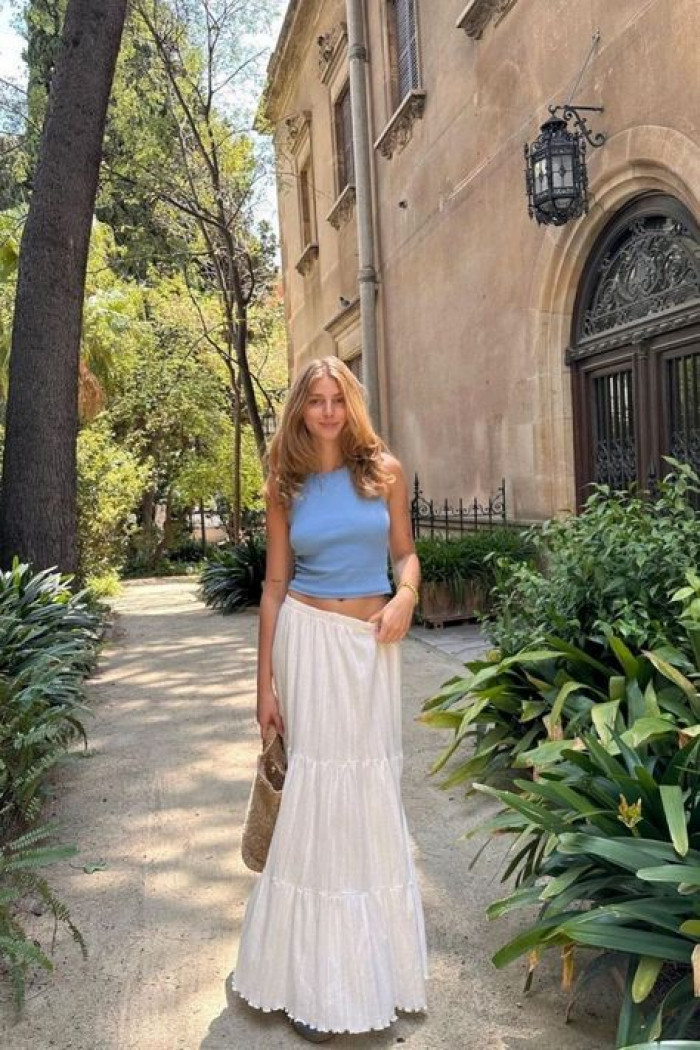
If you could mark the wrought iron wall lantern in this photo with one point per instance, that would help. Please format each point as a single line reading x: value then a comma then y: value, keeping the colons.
x: 555, y: 163
x: 555, y: 166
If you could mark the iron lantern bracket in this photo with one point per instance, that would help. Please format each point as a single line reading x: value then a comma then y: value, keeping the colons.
x: 570, y: 112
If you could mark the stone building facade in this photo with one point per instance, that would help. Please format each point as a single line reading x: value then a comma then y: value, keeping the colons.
x: 548, y: 356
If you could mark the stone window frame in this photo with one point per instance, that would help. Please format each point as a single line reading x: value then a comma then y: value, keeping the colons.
x: 300, y: 147
x: 404, y: 112
x: 345, y: 329
x: 338, y: 81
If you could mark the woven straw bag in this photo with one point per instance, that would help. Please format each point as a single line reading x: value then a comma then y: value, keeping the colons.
x: 264, y: 802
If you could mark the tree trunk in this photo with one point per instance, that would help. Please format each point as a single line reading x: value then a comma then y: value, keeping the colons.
x: 237, y: 455
x: 167, y: 540
x: 38, y: 512
x: 202, y: 525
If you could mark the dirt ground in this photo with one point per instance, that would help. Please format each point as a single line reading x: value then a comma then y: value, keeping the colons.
x: 158, y: 888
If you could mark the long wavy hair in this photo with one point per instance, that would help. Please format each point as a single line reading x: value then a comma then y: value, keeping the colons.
x: 293, y: 455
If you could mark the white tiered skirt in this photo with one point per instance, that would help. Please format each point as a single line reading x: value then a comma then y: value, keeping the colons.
x: 333, y: 932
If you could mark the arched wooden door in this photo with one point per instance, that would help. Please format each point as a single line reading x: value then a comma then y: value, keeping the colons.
x: 635, y: 351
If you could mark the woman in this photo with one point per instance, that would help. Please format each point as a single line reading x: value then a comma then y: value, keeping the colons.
x: 333, y: 932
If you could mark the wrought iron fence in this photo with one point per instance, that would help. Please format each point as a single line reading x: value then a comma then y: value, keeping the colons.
x: 432, y: 518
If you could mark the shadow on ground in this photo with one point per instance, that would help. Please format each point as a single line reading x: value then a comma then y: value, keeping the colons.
x: 156, y: 806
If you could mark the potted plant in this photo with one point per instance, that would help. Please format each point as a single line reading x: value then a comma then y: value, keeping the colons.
x: 458, y: 574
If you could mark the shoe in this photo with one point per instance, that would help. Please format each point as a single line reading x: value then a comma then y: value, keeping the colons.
x: 311, y: 1034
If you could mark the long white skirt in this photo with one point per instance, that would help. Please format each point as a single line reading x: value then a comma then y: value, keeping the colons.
x: 333, y: 932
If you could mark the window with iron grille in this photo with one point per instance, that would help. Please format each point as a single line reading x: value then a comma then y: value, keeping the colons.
x: 343, y: 140
x: 403, y: 36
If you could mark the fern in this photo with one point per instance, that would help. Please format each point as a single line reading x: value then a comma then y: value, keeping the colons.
x: 21, y: 864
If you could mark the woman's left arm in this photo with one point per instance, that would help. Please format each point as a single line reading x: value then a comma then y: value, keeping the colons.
x: 394, y: 620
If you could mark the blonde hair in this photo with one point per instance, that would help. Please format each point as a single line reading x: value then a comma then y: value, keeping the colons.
x: 292, y: 455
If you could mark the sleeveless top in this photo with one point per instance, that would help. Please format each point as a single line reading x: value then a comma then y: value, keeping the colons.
x: 339, y: 539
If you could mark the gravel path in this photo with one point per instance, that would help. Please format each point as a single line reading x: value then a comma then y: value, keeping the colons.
x: 158, y: 888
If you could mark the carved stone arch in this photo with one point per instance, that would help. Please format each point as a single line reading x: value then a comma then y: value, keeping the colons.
x: 640, y: 161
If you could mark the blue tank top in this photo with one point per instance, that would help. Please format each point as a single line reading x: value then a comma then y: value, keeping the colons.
x: 339, y: 539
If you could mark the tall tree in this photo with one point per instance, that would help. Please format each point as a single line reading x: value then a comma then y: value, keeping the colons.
x: 201, y: 46
x: 38, y: 518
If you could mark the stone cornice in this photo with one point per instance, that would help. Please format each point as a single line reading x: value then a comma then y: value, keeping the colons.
x: 307, y: 259
x: 342, y: 208
x: 400, y: 128
x: 288, y: 52
x: 478, y: 13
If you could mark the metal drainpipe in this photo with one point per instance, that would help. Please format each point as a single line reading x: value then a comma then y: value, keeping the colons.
x: 367, y: 274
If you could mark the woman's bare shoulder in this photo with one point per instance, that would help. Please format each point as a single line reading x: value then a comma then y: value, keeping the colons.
x: 392, y: 464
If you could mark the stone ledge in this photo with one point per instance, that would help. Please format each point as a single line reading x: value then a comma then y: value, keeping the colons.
x: 343, y: 207
x: 399, y: 130
x: 478, y: 13
x: 307, y: 258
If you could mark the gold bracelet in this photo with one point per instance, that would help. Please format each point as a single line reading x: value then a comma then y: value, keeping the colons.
x: 414, y: 590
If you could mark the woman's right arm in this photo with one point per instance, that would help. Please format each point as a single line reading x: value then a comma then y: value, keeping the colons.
x: 277, y: 575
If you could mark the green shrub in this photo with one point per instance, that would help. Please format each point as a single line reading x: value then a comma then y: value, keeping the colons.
x: 472, y: 557
x: 675, y: 1044
x: 608, y: 849
x: 144, y: 565
x: 605, y: 819
x: 525, y: 709
x: 609, y: 570
x: 188, y: 550
x: 232, y: 579
x: 48, y: 643
x: 107, y: 585
x: 110, y: 483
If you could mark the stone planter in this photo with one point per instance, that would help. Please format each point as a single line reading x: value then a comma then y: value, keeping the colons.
x: 439, y: 606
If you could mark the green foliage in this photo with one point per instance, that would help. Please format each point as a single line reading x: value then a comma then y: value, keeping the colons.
x: 107, y: 585
x: 22, y: 861
x: 601, y: 712
x: 472, y: 556
x: 674, y: 1044
x: 524, y: 710
x: 607, y: 846
x: 48, y: 641
x: 608, y: 570
x: 157, y: 354
x: 233, y: 579
x: 689, y: 596
x: 110, y: 483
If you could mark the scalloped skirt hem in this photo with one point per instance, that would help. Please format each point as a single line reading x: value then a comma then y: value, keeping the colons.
x: 380, y: 1026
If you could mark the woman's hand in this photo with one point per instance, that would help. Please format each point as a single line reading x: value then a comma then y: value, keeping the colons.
x: 268, y: 713
x: 394, y: 620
